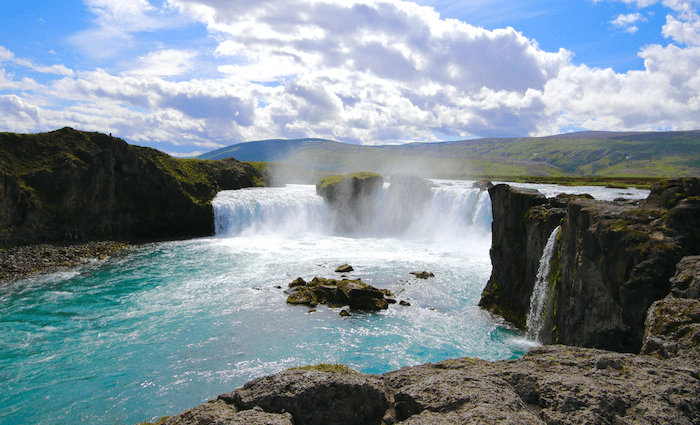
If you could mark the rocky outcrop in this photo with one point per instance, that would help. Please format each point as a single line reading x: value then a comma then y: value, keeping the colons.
x: 613, y: 259
x: 352, y: 199
x: 550, y: 385
x: 100, y: 187
x: 523, y: 219
x: 338, y: 293
x: 673, y: 323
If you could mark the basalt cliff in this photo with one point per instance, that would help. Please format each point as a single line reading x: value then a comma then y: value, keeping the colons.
x: 65, y: 183
x: 612, y: 260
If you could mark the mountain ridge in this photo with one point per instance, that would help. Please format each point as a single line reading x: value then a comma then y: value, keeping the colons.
x: 587, y: 153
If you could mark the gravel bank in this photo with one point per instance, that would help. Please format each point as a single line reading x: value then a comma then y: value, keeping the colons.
x: 21, y: 261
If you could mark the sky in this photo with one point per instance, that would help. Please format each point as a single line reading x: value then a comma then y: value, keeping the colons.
x: 190, y: 76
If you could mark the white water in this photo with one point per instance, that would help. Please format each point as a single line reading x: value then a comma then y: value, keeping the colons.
x: 169, y: 325
x: 540, y: 292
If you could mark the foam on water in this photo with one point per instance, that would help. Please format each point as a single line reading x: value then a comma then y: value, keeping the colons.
x: 170, y: 325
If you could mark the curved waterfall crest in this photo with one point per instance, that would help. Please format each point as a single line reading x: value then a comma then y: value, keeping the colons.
x: 453, y: 213
x: 541, y: 293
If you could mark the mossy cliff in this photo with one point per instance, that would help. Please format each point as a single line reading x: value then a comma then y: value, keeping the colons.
x: 614, y: 259
x: 100, y: 187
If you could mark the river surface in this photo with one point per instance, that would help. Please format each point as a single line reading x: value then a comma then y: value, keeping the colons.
x: 166, y: 326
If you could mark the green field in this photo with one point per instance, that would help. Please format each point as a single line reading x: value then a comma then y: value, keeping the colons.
x: 586, y: 154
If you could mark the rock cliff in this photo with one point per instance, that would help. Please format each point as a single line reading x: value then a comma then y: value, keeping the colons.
x: 99, y: 187
x: 613, y: 259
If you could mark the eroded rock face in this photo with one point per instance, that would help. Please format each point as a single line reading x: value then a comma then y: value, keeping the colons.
x: 673, y: 323
x: 100, y: 187
x: 522, y: 223
x: 550, y: 385
x: 613, y: 259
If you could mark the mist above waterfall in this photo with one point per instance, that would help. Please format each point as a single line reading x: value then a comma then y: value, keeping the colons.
x: 450, y: 212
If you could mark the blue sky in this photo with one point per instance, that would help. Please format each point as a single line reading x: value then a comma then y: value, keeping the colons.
x: 188, y: 76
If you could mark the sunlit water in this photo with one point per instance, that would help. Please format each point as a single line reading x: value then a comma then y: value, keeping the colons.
x: 167, y: 326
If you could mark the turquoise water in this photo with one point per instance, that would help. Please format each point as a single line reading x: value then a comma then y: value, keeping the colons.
x: 167, y: 326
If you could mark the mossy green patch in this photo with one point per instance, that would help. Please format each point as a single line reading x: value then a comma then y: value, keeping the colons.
x: 328, y: 368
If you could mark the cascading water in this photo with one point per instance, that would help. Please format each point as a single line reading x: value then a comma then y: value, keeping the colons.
x: 541, y: 291
x: 168, y: 325
x: 454, y: 214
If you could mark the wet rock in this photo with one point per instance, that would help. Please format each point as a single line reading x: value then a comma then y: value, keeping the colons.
x: 353, y: 293
x: 204, y: 414
x: 24, y: 260
x: 404, y: 303
x: 482, y: 185
x: 423, y: 275
x: 345, y: 268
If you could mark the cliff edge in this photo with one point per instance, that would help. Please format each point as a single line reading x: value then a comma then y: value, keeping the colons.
x: 612, y: 260
x: 65, y: 183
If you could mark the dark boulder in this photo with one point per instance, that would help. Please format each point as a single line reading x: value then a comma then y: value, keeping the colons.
x: 345, y: 268
x: 336, y: 293
x: 423, y: 275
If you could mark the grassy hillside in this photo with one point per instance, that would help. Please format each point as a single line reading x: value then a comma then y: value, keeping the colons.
x: 594, y: 154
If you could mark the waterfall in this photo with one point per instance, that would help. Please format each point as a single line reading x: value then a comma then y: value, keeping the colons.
x: 454, y: 213
x: 540, y: 292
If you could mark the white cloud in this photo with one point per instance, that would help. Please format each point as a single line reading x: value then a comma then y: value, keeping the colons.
x: 116, y: 22
x: 364, y: 71
x: 8, y: 56
x: 165, y: 63
x: 666, y: 95
x: 18, y: 116
x: 683, y: 28
x: 627, y: 22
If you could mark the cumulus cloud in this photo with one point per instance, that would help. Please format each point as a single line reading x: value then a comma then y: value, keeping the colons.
x: 165, y: 63
x: 683, y: 28
x: 17, y: 115
x: 359, y: 71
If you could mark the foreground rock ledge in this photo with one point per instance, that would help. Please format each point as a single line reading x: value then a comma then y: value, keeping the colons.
x: 550, y: 385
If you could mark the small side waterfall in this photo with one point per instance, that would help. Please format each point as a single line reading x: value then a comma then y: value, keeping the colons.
x: 541, y: 293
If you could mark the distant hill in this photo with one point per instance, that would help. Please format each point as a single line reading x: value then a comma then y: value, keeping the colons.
x: 589, y: 153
